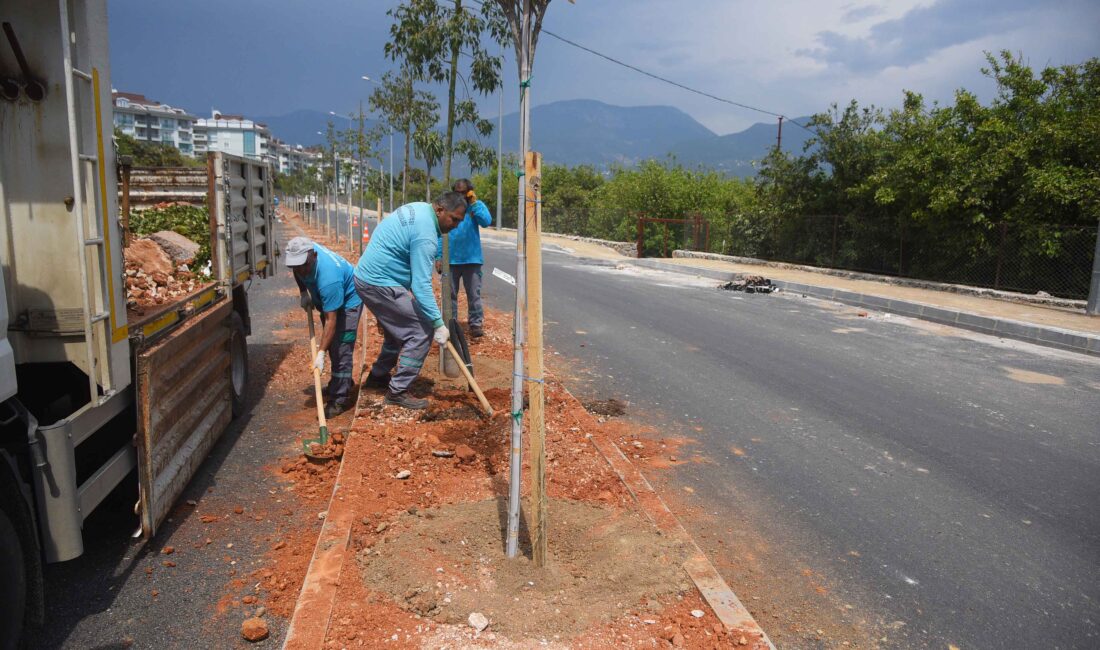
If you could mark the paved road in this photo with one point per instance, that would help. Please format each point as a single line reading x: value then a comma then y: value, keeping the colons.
x: 869, y: 479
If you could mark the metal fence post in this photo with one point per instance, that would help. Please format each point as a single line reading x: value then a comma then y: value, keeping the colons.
x: 1000, y: 255
x: 1093, y: 306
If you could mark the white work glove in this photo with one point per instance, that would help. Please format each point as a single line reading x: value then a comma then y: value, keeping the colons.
x: 305, y: 300
x: 319, y: 361
x: 442, y: 334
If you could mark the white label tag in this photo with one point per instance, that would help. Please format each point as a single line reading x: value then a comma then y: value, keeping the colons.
x: 504, y: 276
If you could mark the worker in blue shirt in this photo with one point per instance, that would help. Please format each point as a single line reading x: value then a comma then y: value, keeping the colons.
x: 394, y: 280
x: 466, y: 258
x: 326, y: 282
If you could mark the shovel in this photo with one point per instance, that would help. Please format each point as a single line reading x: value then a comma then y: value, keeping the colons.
x: 322, y: 430
x: 469, y: 379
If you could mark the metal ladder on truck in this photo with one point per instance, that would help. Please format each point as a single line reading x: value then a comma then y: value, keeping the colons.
x: 97, y: 293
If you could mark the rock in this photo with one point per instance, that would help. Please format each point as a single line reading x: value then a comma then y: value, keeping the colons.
x: 322, y: 514
x: 254, y: 629
x: 403, y: 474
x: 465, y: 454
x: 181, y: 249
x: 260, y: 611
x: 238, y: 510
x: 381, y: 527
x: 168, y: 550
x: 478, y: 621
x: 147, y: 256
x: 248, y: 600
x: 678, y: 640
x: 742, y: 640
x: 697, y: 613
x: 442, y: 453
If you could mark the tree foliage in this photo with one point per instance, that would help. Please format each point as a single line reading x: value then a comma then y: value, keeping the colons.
x: 152, y: 154
x: 955, y: 191
x: 428, y: 37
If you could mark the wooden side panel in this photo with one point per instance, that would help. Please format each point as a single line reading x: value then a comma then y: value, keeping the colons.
x: 183, y: 406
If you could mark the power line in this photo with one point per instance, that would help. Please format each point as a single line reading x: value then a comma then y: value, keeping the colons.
x: 663, y: 79
x: 671, y: 82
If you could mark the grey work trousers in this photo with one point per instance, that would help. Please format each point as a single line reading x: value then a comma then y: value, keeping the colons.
x: 470, y: 275
x: 341, y: 354
x: 407, y: 338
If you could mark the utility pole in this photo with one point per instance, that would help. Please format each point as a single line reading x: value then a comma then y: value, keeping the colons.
x: 779, y: 136
x: 1092, y: 308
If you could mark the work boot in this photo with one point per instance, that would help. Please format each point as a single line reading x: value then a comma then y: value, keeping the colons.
x: 476, y: 332
x: 405, y: 400
x: 332, y: 409
x: 376, y: 382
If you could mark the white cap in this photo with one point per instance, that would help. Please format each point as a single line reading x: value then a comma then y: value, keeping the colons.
x: 297, y: 250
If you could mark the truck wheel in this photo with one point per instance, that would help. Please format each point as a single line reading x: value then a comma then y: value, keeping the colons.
x: 13, y: 584
x: 238, y: 363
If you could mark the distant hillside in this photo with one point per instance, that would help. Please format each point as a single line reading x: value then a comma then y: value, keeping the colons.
x: 587, y: 131
x: 584, y: 131
x: 735, y: 153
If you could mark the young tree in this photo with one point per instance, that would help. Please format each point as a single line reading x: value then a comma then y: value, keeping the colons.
x: 405, y: 109
x: 429, y: 38
x: 429, y: 148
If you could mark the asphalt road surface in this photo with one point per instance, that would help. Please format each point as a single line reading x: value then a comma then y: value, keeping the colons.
x: 857, y: 476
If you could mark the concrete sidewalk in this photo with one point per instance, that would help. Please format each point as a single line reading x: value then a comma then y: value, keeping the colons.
x: 1038, y: 324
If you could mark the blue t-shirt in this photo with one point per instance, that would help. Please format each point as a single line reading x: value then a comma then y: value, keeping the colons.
x: 332, y: 285
x: 401, y: 253
x: 465, y: 239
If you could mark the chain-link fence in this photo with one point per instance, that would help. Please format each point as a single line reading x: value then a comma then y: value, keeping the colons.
x: 1027, y: 258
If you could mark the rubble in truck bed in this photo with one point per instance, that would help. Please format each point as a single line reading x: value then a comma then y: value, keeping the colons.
x: 158, y: 271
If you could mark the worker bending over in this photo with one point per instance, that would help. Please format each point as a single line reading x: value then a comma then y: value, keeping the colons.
x: 326, y: 282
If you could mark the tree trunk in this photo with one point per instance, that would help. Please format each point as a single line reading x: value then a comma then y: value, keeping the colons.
x: 428, y: 184
x: 449, y: 151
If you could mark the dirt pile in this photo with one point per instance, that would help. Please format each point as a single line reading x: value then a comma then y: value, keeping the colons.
x: 448, y: 563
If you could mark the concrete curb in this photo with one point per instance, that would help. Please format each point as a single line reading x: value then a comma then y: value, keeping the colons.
x: 1052, y: 337
x: 722, y: 600
x: 896, y: 281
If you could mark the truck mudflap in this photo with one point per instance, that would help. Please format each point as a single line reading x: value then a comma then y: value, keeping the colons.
x: 184, y: 403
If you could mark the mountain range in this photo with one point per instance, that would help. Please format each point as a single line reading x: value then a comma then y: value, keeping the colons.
x: 585, y: 131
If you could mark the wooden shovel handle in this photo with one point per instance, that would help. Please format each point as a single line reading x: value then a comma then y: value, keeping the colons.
x: 470, y: 379
x: 316, y: 373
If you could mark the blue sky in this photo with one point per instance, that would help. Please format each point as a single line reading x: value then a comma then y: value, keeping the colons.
x: 791, y: 56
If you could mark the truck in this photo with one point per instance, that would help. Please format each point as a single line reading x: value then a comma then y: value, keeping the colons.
x: 93, y: 399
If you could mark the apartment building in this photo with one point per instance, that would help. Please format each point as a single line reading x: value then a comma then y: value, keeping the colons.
x: 150, y: 121
x: 234, y: 134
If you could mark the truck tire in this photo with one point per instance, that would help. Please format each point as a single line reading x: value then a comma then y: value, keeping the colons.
x: 13, y: 583
x: 238, y: 363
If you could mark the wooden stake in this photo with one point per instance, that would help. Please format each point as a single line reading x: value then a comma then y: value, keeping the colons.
x: 535, y: 384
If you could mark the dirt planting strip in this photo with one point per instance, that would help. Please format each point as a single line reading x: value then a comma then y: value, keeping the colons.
x: 411, y: 551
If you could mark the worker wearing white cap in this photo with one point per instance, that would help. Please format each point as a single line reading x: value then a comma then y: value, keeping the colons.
x: 326, y: 282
